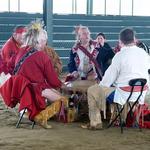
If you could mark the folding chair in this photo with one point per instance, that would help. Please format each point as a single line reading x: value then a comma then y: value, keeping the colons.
x: 20, y: 119
x: 139, y: 85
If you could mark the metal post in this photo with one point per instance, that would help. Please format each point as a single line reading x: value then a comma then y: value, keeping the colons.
x: 120, y: 7
x: 9, y: 5
x: 72, y: 6
x: 18, y: 5
x: 89, y: 7
x: 48, y: 19
x: 132, y: 7
x: 105, y: 8
x: 75, y: 8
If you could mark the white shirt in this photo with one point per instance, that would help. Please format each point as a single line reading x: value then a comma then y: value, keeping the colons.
x: 130, y: 63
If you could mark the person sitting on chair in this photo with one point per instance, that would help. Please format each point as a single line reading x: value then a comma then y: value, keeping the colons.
x: 126, y: 65
x: 11, y: 48
x: 35, y: 77
x: 82, y: 63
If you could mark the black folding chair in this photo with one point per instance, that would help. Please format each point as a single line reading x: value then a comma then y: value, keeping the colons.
x: 20, y: 119
x: 140, y: 82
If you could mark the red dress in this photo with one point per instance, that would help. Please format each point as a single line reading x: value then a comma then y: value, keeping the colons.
x: 9, y: 52
x: 38, y: 69
x: 35, y: 74
x: 17, y: 89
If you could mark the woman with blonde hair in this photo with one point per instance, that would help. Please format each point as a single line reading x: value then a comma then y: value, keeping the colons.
x: 39, y: 81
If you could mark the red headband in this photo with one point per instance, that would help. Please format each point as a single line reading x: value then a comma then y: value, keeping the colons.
x: 20, y: 30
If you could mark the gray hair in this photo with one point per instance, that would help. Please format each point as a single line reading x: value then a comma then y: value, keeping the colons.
x: 78, y: 29
x: 33, y: 34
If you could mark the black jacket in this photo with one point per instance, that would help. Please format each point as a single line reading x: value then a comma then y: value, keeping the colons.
x: 104, y: 57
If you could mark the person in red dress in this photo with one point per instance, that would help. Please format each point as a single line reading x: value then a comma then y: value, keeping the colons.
x: 35, y: 72
x: 10, y: 49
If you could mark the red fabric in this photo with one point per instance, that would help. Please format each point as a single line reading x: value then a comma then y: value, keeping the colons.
x: 70, y: 78
x: 117, y: 48
x: 131, y: 116
x: 9, y: 52
x: 136, y: 88
x: 20, y: 30
x: 35, y: 74
x: 18, y: 89
x: 38, y: 69
x: 77, y: 47
x: 144, y: 121
x: 3, y: 67
x: 39, y: 72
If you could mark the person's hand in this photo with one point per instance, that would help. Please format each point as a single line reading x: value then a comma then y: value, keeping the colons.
x: 75, y: 74
x: 63, y: 85
x: 102, y: 43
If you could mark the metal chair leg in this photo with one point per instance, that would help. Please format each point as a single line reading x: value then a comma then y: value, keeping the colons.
x: 33, y: 123
x: 20, y: 118
x: 120, y: 119
x: 118, y: 115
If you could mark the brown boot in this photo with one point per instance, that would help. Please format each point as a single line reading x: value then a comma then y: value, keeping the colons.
x: 40, y: 120
x: 49, y: 112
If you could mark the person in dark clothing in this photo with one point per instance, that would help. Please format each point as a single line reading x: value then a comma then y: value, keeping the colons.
x: 105, y: 52
x: 142, y: 45
x: 139, y: 44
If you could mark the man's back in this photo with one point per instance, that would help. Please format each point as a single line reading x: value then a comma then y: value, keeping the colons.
x: 134, y: 64
x: 131, y: 62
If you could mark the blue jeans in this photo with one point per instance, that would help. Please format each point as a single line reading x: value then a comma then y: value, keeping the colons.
x: 110, y: 97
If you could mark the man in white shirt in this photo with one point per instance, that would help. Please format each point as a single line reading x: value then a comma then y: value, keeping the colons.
x: 130, y: 63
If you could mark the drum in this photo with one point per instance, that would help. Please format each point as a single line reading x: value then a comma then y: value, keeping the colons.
x: 78, y: 86
x: 78, y: 90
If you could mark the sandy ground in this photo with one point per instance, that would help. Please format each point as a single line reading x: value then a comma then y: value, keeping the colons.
x: 66, y: 136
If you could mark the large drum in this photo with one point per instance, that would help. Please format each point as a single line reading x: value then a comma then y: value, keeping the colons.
x: 78, y: 86
x: 79, y: 89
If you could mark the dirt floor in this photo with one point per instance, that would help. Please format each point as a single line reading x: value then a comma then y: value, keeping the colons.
x: 66, y: 136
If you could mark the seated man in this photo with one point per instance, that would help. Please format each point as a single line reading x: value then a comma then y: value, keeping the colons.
x: 10, y: 49
x: 36, y: 77
x: 126, y: 65
x: 82, y: 63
